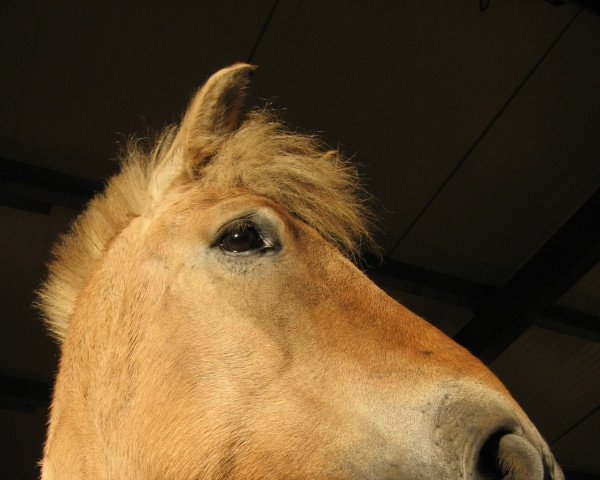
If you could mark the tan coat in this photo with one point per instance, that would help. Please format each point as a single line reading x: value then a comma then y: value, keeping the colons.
x: 185, y: 358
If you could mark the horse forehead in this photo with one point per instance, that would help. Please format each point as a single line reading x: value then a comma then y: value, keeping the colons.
x: 214, y: 201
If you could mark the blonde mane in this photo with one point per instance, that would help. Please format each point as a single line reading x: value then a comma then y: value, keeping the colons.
x: 295, y: 171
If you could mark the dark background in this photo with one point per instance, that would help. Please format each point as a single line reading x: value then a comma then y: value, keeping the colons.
x: 475, y: 124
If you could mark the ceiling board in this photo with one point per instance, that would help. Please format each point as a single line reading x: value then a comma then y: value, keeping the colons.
x: 89, y: 73
x: 408, y: 87
x: 24, y: 248
x: 584, y: 296
x: 572, y: 450
x: 555, y: 377
x: 534, y: 168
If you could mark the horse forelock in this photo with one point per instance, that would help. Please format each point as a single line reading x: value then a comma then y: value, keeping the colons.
x: 293, y: 170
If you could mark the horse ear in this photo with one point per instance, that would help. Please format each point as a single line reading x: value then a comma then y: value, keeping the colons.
x: 213, y: 113
x: 215, y: 109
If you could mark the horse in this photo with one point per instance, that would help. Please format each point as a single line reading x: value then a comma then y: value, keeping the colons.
x: 213, y: 324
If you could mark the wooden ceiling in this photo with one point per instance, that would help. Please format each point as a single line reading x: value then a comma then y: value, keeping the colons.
x: 478, y: 133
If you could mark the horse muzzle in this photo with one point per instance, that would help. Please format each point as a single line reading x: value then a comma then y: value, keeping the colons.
x: 460, y: 432
x: 488, y: 438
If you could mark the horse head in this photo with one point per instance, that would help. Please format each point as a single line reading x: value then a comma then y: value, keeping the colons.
x: 212, y: 325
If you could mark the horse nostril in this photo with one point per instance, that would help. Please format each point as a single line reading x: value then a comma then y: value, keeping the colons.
x: 506, y: 455
x: 488, y: 462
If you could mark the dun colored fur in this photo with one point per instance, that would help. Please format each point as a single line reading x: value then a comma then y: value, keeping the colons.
x: 188, y: 356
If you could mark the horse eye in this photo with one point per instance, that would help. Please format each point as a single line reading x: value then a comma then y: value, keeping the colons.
x: 242, y: 239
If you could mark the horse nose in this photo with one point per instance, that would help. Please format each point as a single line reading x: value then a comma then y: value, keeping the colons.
x: 491, y: 438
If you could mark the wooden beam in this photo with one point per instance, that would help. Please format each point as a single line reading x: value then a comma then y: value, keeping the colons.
x: 23, y: 394
x: 37, y: 189
x: 568, y: 255
x: 427, y: 283
x: 570, y: 322
x: 437, y: 286
x: 566, y: 316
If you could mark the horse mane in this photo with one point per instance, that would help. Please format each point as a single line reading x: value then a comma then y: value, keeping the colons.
x: 293, y: 170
